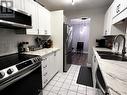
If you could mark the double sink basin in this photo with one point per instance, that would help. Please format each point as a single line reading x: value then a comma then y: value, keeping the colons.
x: 111, y: 56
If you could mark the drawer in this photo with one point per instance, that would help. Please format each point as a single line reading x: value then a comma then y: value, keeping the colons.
x: 44, y: 67
x: 45, y: 81
x: 45, y: 74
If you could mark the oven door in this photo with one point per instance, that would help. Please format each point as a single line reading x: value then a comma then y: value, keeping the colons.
x: 100, y: 83
x: 31, y: 84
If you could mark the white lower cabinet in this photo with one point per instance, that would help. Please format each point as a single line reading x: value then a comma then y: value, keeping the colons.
x: 45, y: 73
x: 49, y: 67
x: 94, y: 68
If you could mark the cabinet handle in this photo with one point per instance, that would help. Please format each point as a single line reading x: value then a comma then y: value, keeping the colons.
x: 38, y: 31
x: 45, y: 66
x: 45, y: 81
x: 106, y: 32
x: 45, y: 74
x: 54, y: 53
x: 118, y: 8
x: 94, y: 58
x: 45, y: 31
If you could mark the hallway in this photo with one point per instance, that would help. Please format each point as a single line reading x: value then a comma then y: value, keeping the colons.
x: 80, y: 59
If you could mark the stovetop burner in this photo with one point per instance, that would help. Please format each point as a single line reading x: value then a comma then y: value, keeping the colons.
x: 9, y: 60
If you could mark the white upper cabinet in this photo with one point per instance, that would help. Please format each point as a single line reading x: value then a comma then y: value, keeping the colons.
x: 43, y: 21
x: 19, y: 4
x: 119, y: 6
x: 115, y: 13
x: 28, y: 6
x: 120, y: 10
x: 40, y: 16
x: 40, y: 20
x: 34, y: 15
x: 108, y: 21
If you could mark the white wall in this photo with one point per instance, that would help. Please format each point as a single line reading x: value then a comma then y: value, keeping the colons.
x: 80, y: 34
x: 57, y: 19
x: 96, y: 25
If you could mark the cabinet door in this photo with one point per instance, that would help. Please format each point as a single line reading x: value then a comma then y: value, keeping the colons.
x: 51, y: 66
x: 120, y: 12
x: 123, y: 5
x: 27, y: 4
x: 120, y: 17
x: 105, y: 23
x: 41, y: 21
x: 47, y: 22
x: 19, y: 5
x: 45, y: 70
x: 108, y: 21
x: 119, y: 6
x: 44, y: 21
x: 56, y: 58
x: 33, y: 11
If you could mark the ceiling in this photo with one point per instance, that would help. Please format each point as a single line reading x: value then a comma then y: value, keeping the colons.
x: 66, y: 5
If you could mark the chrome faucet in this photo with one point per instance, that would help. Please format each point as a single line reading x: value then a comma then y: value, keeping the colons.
x: 124, y: 41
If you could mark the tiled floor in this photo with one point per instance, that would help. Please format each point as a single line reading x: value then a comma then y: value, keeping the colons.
x: 65, y: 84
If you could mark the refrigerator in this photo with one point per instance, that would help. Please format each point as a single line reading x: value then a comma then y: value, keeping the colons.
x: 67, y: 47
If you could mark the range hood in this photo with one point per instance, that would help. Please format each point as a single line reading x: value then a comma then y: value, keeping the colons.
x: 12, y: 18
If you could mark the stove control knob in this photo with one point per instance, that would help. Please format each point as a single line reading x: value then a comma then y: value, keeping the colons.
x: 10, y: 71
x: 2, y: 74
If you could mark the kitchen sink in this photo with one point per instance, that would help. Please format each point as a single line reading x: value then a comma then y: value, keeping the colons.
x: 111, y: 56
x: 104, y: 52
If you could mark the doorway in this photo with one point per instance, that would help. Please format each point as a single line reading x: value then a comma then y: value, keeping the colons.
x: 80, y: 39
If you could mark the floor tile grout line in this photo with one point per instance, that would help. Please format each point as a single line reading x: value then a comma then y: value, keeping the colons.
x: 73, y: 72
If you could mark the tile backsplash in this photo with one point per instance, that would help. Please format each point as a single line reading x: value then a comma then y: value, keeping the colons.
x: 9, y: 40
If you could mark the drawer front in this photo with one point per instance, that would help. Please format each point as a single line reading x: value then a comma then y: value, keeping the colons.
x: 44, y: 67
x: 45, y: 80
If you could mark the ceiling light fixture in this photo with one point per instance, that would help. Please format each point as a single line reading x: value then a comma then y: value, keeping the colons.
x: 73, y: 2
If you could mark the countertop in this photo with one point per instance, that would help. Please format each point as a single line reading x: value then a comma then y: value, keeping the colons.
x: 114, y: 73
x: 43, y: 52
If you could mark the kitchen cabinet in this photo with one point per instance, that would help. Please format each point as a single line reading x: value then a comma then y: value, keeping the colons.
x: 57, y: 60
x: 40, y: 20
x: 40, y: 17
x: 23, y: 5
x: 19, y: 5
x: 54, y: 63
x: 28, y: 6
x: 50, y: 66
x: 119, y: 6
x: 108, y: 21
x: 43, y: 21
x: 45, y: 70
x: 34, y: 15
x: 110, y: 26
x: 94, y: 68
x: 120, y: 10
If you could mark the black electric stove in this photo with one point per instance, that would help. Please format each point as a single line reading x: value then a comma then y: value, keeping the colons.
x: 17, y: 69
x: 13, y: 59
